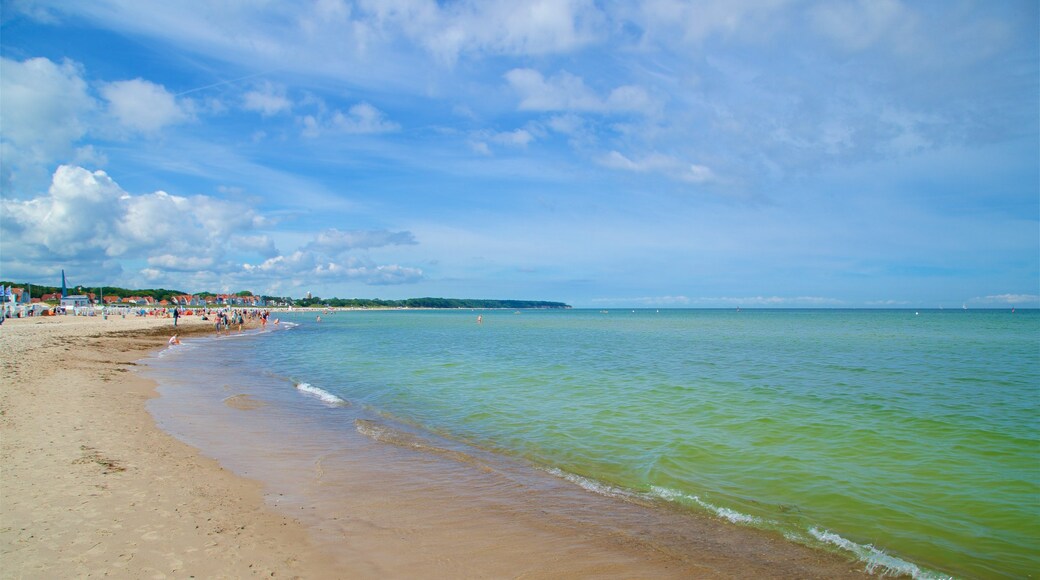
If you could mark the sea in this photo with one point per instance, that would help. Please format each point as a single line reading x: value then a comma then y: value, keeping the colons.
x: 906, y: 440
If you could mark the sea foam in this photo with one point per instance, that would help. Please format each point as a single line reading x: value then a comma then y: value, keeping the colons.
x: 725, y: 513
x: 877, y: 561
x: 592, y: 485
x: 321, y: 394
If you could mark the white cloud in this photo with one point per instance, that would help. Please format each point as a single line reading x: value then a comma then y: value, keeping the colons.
x: 361, y: 119
x: 691, y: 24
x: 86, y: 218
x: 752, y: 301
x: 314, y: 266
x: 181, y: 263
x: 663, y: 300
x: 330, y: 257
x: 567, y: 92
x: 663, y: 164
x: 889, y: 303
x: 268, y: 100
x: 481, y: 148
x: 1011, y: 299
x: 767, y: 301
x: 517, y: 138
x: 490, y: 27
x: 568, y: 124
x: 44, y: 111
x: 258, y: 244
x: 860, y: 25
x: 143, y: 106
x: 333, y: 240
x: 33, y: 10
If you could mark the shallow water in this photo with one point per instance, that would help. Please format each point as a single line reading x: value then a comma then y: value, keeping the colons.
x: 909, y: 441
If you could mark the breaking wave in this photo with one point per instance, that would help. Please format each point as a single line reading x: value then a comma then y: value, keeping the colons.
x: 321, y: 394
x: 877, y: 561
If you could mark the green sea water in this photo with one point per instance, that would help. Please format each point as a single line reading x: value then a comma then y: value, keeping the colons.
x: 909, y: 438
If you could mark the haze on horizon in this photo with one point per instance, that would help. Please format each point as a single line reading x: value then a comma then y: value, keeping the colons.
x: 667, y: 153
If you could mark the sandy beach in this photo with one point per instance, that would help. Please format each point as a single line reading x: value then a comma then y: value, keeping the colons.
x: 91, y: 487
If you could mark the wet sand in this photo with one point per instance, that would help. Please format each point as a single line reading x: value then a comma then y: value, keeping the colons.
x: 91, y: 486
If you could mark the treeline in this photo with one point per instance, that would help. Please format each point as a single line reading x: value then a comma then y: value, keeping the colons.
x: 427, y: 303
x: 37, y: 291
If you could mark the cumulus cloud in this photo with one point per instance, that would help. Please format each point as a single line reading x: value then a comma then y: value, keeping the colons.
x: 258, y: 244
x: 361, y: 119
x: 143, y: 106
x: 44, y: 107
x: 330, y: 256
x: 181, y: 263
x: 268, y: 100
x: 567, y: 92
x: 315, y: 266
x: 87, y: 219
x: 87, y: 216
x: 480, y: 141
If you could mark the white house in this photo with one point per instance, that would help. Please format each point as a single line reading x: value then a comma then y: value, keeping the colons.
x: 75, y: 300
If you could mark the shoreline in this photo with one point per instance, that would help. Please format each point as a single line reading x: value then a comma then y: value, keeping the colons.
x: 91, y: 486
x: 95, y: 486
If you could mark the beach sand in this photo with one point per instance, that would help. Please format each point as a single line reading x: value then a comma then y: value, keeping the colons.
x: 91, y: 487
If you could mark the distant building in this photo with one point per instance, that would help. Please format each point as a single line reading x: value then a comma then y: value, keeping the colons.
x: 75, y: 301
x: 21, y: 296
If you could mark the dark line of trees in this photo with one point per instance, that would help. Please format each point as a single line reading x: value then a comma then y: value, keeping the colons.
x: 36, y: 291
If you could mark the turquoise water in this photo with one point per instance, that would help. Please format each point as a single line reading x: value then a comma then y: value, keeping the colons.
x: 909, y: 439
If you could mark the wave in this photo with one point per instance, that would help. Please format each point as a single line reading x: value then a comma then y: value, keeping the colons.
x: 877, y: 561
x: 724, y: 513
x: 387, y: 434
x: 593, y: 485
x: 656, y: 493
x: 321, y: 394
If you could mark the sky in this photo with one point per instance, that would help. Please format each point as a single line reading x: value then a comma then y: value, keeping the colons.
x: 665, y: 153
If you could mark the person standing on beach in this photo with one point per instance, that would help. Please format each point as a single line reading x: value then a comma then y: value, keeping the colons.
x: 176, y: 314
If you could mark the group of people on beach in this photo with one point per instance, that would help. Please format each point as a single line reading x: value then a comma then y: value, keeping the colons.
x: 224, y: 319
x: 227, y: 318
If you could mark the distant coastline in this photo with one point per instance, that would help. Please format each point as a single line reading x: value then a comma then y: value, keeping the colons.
x: 151, y: 297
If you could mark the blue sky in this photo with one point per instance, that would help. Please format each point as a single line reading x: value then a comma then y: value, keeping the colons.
x: 666, y: 153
